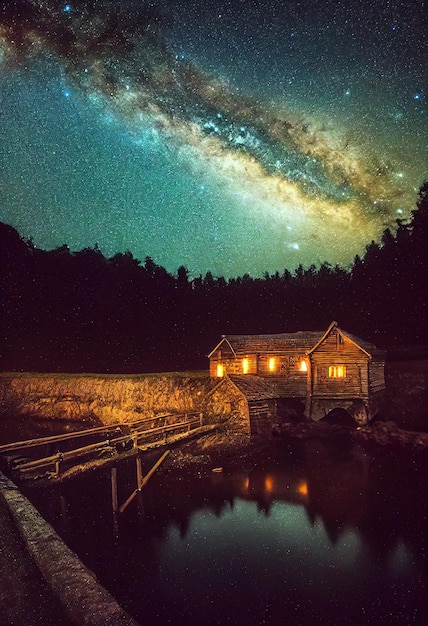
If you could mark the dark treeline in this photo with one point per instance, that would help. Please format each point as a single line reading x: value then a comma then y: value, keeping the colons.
x: 82, y: 312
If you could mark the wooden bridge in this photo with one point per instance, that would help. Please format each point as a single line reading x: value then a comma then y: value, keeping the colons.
x: 30, y: 457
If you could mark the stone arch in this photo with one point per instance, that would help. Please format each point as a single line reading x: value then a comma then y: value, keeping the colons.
x: 339, y: 417
x: 355, y: 407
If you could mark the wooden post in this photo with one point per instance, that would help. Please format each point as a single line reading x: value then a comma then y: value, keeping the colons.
x: 128, y: 501
x: 139, y: 473
x: 114, y: 499
x: 58, y: 466
x: 154, y: 468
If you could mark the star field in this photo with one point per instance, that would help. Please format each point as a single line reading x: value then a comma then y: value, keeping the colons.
x: 232, y: 137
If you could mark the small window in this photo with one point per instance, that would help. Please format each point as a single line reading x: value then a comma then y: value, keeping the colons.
x: 245, y: 366
x: 272, y: 364
x: 303, y: 366
x: 337, y: 371
x: 220, y: 370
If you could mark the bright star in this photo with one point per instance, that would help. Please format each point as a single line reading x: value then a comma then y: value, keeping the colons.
x: 67, y: 8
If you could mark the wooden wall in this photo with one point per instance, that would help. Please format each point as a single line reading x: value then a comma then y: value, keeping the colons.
x: 286, y: 371
x: 332, y: 352
x: 377, y: 376
x: 233, y: 365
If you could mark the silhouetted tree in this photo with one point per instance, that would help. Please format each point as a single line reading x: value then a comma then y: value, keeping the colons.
x: 78, y: 311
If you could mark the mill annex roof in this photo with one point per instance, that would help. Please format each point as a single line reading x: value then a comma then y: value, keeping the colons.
x: 254, y: 387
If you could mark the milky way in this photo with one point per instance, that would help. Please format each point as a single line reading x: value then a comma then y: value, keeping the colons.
x: 255, y: 181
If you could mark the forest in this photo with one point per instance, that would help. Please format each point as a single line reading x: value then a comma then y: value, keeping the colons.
x: 64, y: 311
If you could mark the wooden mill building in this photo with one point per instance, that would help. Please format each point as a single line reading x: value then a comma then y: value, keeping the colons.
x: 317, y: 371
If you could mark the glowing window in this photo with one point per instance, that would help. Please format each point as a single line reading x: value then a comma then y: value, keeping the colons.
x: 245, y: 366
x: 303, y: 366
x: 220, y: 370
x: 272, y: 364
x: 337, y: 371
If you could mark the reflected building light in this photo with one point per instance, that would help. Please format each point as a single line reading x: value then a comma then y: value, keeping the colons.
x: 303, y: 488
x: 268, y: 484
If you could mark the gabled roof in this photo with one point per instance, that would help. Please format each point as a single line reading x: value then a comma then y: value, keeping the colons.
x: 368, y: 347
x: 301, y: 341
x: 364, y: 345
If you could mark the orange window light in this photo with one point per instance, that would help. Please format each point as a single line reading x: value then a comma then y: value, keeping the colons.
x: 272, y: 364
x: 303, y: 366
x: 220, y: 370
x: 337, y: 371
x: 245, y: 366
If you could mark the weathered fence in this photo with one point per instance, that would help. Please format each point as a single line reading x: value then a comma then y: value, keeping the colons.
x: 147, y: 432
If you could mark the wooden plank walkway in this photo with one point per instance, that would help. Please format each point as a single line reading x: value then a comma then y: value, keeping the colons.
x: 139, y: 435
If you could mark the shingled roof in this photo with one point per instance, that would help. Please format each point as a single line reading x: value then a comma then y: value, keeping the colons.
x: 366, y: 346
x: 254, y: 387
x: 370, y: 348
x: 279, y: 343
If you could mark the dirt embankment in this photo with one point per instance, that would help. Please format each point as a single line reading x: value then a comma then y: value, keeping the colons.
x: 97, y: 399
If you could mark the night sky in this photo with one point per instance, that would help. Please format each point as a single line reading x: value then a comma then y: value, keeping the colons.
x: 234, y: 137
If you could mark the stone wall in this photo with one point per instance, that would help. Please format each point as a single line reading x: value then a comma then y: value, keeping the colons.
x: 101, y: 399
x: 225, y: 404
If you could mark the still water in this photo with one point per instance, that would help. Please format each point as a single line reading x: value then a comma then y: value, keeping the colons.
x: 318, y: 535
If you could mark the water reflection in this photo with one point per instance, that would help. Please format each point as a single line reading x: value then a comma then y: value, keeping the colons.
x: 326, y: 536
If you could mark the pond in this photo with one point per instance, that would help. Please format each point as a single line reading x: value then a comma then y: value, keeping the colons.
x: 321, y: 534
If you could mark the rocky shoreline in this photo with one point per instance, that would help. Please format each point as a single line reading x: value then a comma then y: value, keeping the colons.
x: 380, y: 433
x: 224, y: 450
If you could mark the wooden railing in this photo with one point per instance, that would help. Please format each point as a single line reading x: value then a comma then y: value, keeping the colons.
x: 148, y: 431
